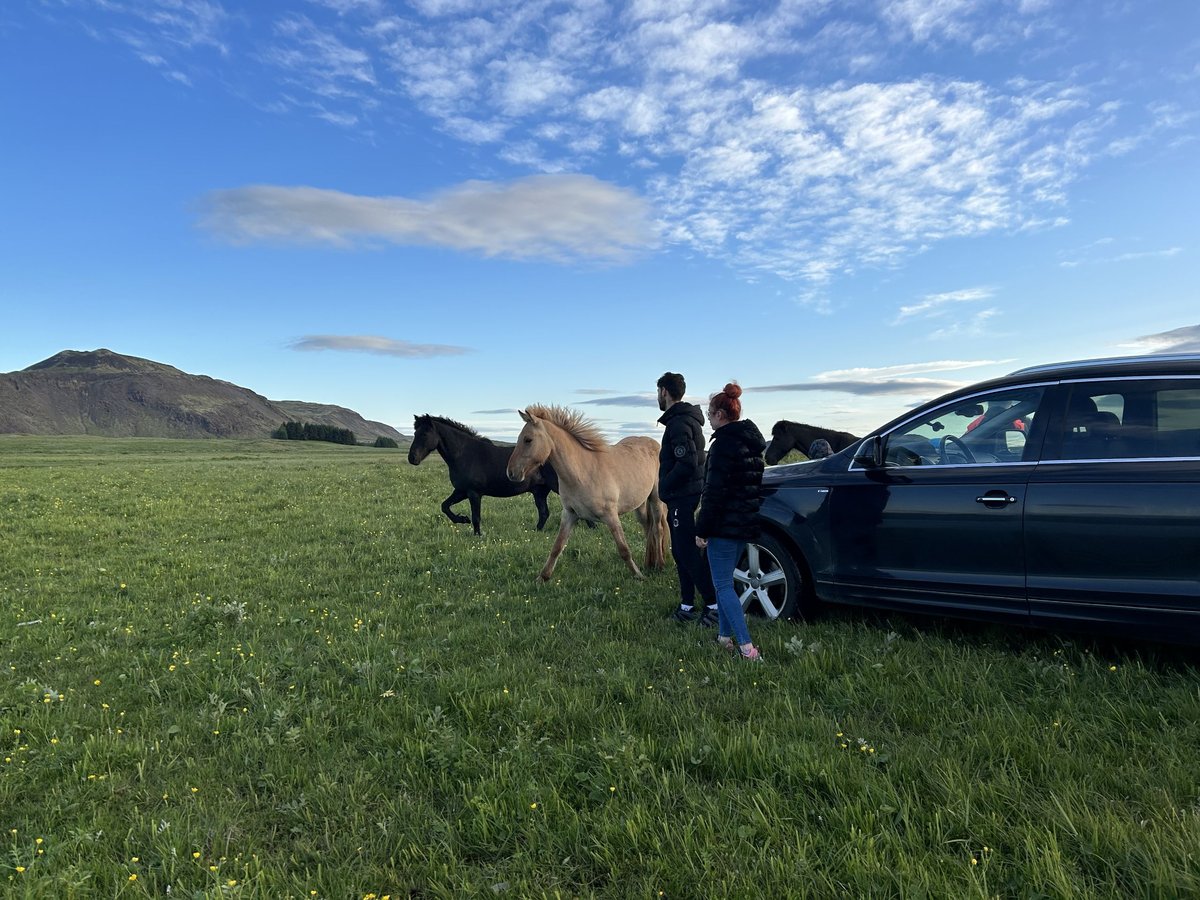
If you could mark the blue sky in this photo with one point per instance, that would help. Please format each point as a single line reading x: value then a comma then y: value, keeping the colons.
x: 463, y: 207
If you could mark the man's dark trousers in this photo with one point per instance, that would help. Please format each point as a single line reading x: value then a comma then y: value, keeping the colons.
x: 694, y: 574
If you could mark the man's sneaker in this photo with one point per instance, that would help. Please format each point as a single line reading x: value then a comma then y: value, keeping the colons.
x: 708, y: 618
x: 683, y: 616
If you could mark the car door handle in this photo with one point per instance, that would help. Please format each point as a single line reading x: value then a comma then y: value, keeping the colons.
x: 996, y: 497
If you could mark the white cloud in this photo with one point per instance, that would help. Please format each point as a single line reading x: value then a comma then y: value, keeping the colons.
x: 374, y: 344
x: 1178, y: 340
x: 935, y: 304
x: 903, y: 378
x: 790, y: 139
x: 551, y: 217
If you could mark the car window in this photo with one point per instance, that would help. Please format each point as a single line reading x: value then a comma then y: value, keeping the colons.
x: 984, y: 430
x: 1138, y: 419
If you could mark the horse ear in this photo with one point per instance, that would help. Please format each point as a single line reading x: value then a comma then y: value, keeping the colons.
x: 525, y: 415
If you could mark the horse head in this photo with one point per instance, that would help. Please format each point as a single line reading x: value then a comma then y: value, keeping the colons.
x: 782, y: 443
x: 534, y: 446
x: 425, y: 439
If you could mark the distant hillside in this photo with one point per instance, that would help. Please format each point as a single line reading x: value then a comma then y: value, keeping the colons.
x: 104, y: 393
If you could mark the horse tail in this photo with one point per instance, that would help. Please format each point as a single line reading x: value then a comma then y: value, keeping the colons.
x: 655, y: 512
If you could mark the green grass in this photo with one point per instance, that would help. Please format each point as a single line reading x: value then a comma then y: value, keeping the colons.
x: 273, y: 669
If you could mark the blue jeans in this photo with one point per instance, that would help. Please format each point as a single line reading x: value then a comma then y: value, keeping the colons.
x: 723, y: 555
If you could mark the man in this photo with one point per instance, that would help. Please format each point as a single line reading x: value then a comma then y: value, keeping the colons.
x: 680, y: 483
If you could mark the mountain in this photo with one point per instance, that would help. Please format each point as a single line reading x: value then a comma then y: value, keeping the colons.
x: 104, y: 393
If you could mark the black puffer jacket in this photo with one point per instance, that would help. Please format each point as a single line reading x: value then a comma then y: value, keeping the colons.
x: 681, y: 458
x: 732, y: 483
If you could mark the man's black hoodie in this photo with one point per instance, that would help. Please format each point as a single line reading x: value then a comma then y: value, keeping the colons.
x: 681, y: 457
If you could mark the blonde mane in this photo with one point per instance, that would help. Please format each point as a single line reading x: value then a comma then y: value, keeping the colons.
x: 573, y: 422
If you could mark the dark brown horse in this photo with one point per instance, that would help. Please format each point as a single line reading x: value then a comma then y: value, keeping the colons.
x: 477, y: 468
x: 788, y: 436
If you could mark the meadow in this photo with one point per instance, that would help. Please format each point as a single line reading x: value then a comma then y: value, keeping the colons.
x: 275, y: 670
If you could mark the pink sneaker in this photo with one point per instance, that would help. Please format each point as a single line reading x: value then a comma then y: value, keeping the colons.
x: 751, y: 655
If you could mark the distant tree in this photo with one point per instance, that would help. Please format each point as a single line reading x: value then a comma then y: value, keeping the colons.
x: 386, y: 442
x: 309, y: 431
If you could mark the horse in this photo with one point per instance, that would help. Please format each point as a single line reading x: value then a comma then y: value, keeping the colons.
x: 787, y: 436
x: 597, y: 480
x: 477, y: 468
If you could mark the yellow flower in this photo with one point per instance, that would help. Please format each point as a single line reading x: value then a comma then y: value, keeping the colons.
x: 196, y: 854
x: 20, y: 869
x: 133, y: 877
x: 96, y: 682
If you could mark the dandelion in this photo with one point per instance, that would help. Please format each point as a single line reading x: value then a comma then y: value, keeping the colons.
x: 20, y: 869
x: 133, y: 877
x: 1112, y: 668
x: 96, y: 682
x: 195, y: 854
x: 533, y: 806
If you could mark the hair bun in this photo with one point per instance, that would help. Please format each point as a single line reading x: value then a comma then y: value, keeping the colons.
x: 733, y: 390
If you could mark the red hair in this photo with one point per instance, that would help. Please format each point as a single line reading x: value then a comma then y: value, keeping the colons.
x: 727, y: 401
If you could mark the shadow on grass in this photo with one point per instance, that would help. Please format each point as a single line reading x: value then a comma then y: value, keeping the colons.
x: 1023, y: 640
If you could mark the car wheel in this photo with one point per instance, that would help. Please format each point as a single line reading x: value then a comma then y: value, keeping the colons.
x: 768, y: 581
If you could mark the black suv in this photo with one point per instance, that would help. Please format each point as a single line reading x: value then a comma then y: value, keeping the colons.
x: 1066, y: 494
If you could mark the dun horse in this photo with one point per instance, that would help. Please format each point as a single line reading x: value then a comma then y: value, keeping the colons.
x: 477, y: 468
x: 788, y: 436
x: 596, y: 480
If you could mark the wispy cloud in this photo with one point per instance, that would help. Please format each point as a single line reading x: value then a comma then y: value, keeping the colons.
x: 560, y: 217
x: 373, y: 344
x: 1131, y: 256
x: 898, y: 379
x: 1177, y: 340
x: 867, y: 388
x: 936, y: 304
x: 836, y: 161
x: 624, y: 400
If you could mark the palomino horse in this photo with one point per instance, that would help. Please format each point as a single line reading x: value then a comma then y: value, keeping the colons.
x: 477, y: 468
x: 596, y: 480
x: 788, y: 436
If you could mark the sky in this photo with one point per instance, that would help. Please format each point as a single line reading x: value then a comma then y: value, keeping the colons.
x: 464, y: 207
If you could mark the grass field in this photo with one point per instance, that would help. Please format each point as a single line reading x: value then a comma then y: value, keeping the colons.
x: 274, y: 669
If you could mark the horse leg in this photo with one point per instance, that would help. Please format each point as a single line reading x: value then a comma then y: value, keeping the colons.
x: 613, y: 521
x: 560, y: 541
x: 476, y: 502
x: 656, y: 533
x: 540, y: 493
x: 457, y: 497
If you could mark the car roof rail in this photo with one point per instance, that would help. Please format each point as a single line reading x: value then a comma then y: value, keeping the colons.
x: 1109, y: 361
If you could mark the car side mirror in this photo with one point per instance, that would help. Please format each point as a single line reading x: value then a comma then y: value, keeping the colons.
x: 870, y: 453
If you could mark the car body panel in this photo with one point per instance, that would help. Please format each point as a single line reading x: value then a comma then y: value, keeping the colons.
x: 1108, y: 539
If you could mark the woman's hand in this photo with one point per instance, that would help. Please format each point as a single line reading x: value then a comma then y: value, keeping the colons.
x: 701, y: 543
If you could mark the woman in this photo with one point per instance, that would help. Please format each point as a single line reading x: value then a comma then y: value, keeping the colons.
x: 728, y: 508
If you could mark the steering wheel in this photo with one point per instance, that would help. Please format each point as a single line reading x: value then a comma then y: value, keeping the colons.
x: 959, y: 445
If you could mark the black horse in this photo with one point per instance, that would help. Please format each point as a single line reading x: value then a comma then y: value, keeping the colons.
x: 477, y: 467
x: 788, y: 436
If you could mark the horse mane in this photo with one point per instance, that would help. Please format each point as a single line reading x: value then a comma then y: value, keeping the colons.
x: 459, y: 426
x: 573, y: 422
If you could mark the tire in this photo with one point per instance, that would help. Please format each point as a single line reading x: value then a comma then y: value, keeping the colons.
x: 769, y: 582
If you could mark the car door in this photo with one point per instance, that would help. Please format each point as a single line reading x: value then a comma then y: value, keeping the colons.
x: 1113, y: 513
x: 940, y: 524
